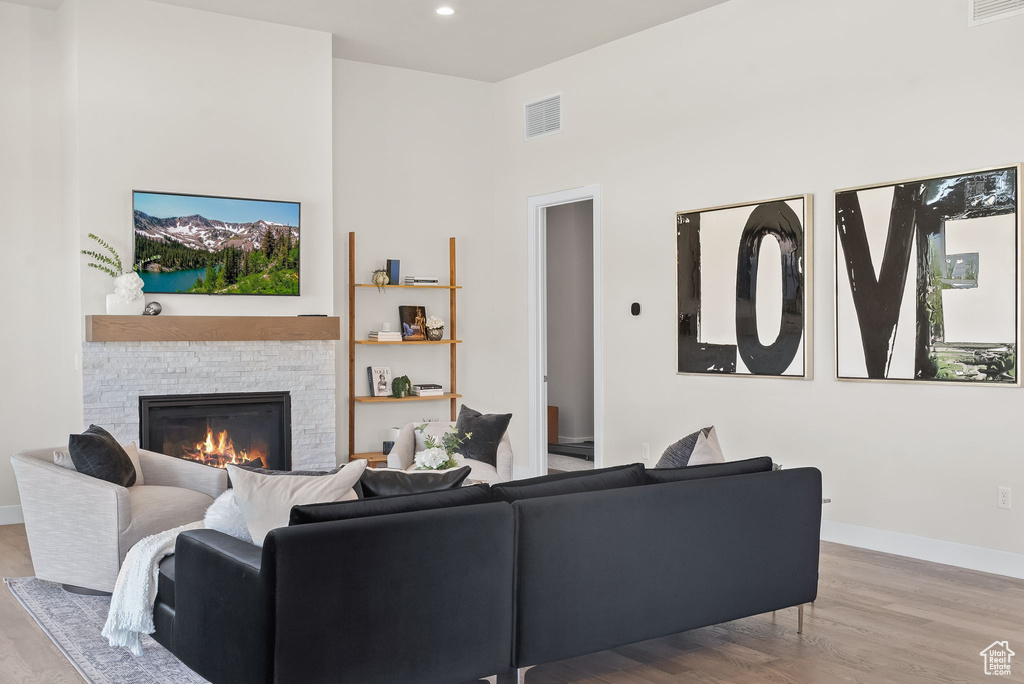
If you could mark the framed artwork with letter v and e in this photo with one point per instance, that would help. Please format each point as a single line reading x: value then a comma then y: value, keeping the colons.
x: 743, y: 288
x: 928, y: 279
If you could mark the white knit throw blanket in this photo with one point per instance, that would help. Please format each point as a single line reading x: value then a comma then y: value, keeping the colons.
x: 131, y: 605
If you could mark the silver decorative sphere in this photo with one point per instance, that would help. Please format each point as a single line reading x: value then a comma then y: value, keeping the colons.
x: 152, y: 309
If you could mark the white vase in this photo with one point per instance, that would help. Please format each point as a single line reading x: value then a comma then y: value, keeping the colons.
x: 134, y: 307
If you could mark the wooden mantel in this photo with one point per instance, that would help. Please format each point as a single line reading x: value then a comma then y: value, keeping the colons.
x: 210, y: 328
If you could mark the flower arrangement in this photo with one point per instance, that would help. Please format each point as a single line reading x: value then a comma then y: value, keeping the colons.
x: 435, y: 323
x: 440, y: 455
x: 380, y: 279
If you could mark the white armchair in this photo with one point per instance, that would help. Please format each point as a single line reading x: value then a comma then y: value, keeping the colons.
x: 410, y: 441
x: 80, y: 528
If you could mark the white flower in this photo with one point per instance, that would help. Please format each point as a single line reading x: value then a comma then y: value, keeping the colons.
x: 434, y: 322
x: 430, y: 459
x: 128, y: 287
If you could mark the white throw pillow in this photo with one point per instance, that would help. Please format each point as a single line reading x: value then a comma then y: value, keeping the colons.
x: 224, y: 516
x: 266, y: 500
x: 707, y: 450
x: 62, y: 458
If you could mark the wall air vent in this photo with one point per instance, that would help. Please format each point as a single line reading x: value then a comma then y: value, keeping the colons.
x: 544, y: 117
x: 984, y: 11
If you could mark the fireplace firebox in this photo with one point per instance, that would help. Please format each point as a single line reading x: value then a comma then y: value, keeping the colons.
x: 245, y: 428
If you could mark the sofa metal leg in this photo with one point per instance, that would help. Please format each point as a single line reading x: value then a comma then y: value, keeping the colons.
x: 513, y: 676
x: 800, y: 619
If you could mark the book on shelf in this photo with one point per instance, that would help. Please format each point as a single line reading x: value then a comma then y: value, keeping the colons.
x: 393, y: 336
x: 421, y: 280
x: 427, y: 392
x: 426, y: 386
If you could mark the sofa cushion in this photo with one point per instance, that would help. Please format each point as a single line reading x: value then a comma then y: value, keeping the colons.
x: 487, y: 430
x: 570, y: 483
x: 750, y: 465
x: 225, y: 516
x: 266, y: 499
x: 157, y: 509
x: 384, y: 482
x: 384, y: 505
x: 97, y: 454
x: 165, y: 581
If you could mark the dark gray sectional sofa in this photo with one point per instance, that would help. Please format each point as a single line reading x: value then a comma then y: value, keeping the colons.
x: 536, y: 571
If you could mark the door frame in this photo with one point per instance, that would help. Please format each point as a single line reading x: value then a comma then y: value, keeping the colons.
x: 537, y: 322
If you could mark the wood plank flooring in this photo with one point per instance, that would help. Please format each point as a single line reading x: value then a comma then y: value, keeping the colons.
x: 879, y: 619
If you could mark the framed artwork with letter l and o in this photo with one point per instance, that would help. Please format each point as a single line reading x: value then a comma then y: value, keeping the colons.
x: 928, y: 279
x: 743, y: 289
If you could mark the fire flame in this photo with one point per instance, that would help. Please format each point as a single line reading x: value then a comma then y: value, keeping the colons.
x: 222, y: 452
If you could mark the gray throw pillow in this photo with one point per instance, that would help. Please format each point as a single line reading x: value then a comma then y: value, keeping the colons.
x: 678, y: 454
x: 97, y: 454
x: 487, y: 430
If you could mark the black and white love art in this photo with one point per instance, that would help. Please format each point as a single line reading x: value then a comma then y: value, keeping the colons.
x: 928, y: 279
x: 744, y: 304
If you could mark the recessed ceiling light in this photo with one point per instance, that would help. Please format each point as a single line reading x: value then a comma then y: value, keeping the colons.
x: 445, y: 11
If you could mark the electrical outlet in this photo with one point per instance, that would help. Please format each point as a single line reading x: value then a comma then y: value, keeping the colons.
x: 645, y: 451
x: 1004, y: 497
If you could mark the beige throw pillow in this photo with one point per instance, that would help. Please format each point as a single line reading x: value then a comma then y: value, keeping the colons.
x: 707, y: 450
x: 266, y: 500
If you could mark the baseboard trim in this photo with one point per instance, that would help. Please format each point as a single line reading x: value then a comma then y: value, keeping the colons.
x: 11, y: 515
x: 966, y: 556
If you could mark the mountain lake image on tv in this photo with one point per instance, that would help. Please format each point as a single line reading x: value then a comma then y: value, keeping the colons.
x: 198, y: 244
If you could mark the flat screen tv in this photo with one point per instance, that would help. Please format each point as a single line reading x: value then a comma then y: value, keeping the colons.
x: 201, y: 244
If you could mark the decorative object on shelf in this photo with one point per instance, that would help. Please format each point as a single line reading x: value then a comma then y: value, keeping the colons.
x: 414, y: 322
x: 440, y: 455
x: 400, y: 387
x: 380, y: 278
x: 392, y: 268
x: 200, y: 244
x: 388, y: 445
x: 727, y: 305
x: 380, y: 380
x: 943, y: 306
x: 127, y: 299
x: 435, y: 329
x: 152, y: 309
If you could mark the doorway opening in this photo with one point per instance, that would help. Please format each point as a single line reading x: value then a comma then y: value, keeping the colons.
x: 565, y: 334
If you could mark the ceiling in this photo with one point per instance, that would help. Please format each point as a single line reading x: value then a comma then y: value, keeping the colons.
x: 487, y: 40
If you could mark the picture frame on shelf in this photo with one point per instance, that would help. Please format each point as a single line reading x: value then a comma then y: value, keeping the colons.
x: 414, y: 323
x: 380, y: 381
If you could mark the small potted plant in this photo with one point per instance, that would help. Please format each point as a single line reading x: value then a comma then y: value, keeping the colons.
x: 380, y: 279
x: 435, y: 329
x: 441, y: 455
x: 127, y: 299
x: 400, y: 387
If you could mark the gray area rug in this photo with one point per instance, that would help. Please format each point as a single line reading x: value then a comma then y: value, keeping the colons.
x: 74, y: 623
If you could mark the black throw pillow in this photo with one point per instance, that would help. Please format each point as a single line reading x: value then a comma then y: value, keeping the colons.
x: 487, y: 430
x: 97, y: 454
x: 395, y: 483
x: 761, y: 464
x: 615, y: 477
x: 385, y: 505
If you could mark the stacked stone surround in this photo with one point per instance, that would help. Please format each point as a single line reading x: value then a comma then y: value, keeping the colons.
x: 116, y: 374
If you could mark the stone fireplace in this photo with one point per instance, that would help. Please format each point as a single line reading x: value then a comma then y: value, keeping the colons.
x: 118, y: 375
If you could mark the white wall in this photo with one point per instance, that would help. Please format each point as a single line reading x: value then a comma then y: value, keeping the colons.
x: 570, y: 316
x: 751, y: 100
x: 180, y: 100
x: 34, y: 404
x: 411, y: 169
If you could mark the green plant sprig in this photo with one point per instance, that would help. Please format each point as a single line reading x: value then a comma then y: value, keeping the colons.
x: 111, y: 265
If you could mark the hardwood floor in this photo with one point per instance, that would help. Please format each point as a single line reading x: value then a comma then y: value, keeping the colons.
x: 879, y: 619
